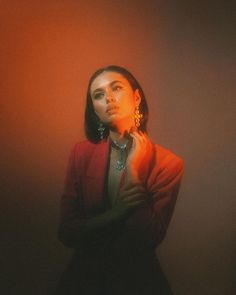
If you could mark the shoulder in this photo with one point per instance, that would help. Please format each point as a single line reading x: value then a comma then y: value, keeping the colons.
x: 81, y: 150
x: 83, y: 146
x: 84, y: 150
x: 167, y: 168
x: 166, y: 158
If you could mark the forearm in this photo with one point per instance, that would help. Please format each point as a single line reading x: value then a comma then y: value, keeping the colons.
x: 145, y: 229
x: 88, y: 231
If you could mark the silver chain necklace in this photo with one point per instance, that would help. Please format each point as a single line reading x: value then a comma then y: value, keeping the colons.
x: 120, y: 164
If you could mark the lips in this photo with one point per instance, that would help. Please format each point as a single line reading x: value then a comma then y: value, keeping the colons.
x: 111, y: 108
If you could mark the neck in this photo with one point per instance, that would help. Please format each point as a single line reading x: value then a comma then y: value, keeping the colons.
x: 120, y: 132
x: 120, y: 138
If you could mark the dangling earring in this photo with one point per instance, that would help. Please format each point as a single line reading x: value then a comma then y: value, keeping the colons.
x: 101, y: 129
x: 137, y: 116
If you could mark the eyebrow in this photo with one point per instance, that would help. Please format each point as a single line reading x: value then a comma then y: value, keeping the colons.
x: 111, y: 84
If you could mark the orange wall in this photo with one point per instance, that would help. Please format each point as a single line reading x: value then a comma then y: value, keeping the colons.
x: 182, y: 55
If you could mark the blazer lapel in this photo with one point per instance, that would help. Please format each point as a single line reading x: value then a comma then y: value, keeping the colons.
x: 96, y: 176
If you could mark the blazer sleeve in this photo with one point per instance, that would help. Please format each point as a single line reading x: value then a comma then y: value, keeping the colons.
x: 147, y: 227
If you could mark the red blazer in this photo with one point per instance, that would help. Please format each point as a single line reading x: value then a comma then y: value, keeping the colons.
x: 84, y: 191
x: 84, y: 196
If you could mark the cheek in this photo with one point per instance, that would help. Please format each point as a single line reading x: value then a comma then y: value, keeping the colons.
x: 128, y: 103
x: 98, y: 107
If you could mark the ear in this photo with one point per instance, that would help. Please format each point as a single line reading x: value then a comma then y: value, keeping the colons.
x: 137, y: 97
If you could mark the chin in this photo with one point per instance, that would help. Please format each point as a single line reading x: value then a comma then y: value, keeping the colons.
x: 113, y: 118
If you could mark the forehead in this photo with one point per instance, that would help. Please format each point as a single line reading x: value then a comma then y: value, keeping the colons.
x: 106, y: 78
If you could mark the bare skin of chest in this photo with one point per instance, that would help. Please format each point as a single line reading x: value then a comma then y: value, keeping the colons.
x: 114, y: 177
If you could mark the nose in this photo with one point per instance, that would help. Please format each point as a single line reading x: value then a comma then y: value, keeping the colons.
x: 110, y: 97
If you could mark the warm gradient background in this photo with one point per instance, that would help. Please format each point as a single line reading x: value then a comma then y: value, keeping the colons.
x: 183, y: 54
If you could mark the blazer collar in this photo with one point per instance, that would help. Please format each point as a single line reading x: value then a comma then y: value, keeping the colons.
x: 99, y: 160
x: 96, y: 177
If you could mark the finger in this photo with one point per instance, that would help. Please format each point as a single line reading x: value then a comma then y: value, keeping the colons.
x: 134, y: 198
x: 137, y: 140
x: 137, y: 134
x: 132, y: 187
x: 127, y: 194
x: 140, y: 137
x: 133, y: 141
x: 145, y: 142
x: 144, y: 137
x: 147, y: 139
x: 131, y: 184
x: 133, y: 129
x: 136, y: 204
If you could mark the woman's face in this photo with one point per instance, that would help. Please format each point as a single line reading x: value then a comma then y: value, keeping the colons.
x: 114, y: 100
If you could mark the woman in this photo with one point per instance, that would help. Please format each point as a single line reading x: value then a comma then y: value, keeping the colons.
x: 120, y: 192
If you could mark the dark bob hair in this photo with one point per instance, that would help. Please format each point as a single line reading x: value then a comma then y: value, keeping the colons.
x: 91, y: 122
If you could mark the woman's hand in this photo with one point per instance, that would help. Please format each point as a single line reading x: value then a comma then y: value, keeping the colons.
x: 130, y: 196
x: 132, y: 193
x: 139, y: 155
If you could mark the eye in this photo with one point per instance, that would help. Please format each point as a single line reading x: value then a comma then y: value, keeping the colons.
x: 98, y: 95
x: 117, y: 87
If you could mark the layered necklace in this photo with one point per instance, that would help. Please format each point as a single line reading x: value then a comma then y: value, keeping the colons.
x: 123, y: 151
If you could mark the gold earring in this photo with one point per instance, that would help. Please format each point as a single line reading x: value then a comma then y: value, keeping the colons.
x: 137, y: 116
